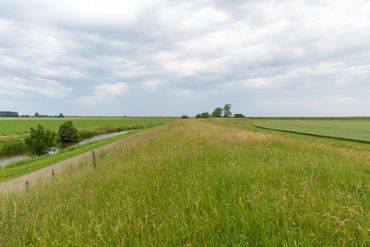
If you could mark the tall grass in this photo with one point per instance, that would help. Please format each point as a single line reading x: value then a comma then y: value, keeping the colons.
x: 196, y: 183
x: 12, y: 146
x: 94, y: 131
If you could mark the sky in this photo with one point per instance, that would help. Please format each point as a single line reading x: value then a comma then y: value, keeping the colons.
x: 157, y: 57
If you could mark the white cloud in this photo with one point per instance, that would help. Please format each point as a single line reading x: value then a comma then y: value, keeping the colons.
x: 107, y: 89
x: 15, y: 86
x: 151, y: 85
x: 257, y: 83
x: 266, y: 48
x: 180, y: 92
x: 104, y: 92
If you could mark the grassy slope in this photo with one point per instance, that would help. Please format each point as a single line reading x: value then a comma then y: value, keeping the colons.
x: 201, y: 183
x: 23, y: 125
x: 28, y: 166
x: 358, y: 129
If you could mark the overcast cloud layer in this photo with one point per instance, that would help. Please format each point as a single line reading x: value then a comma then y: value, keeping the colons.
x: 106, y: 57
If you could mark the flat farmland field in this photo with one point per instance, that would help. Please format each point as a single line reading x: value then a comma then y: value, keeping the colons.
x: 10, y: 126
x: 353, y: 129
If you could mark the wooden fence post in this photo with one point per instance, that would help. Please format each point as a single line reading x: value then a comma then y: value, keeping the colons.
x: 94, y: 159
x: 27, y: 184
x: 52, y: 172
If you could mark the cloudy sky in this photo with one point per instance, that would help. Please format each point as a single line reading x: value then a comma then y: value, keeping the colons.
x: 157, y: 57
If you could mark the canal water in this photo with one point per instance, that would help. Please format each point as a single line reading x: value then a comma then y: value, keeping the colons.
x: 9, y: 159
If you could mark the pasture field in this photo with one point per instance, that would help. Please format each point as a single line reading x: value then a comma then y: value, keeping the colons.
x: 200, y: 183
x: 10, y: 126
x: 13, y: 130
x: 355, y: 129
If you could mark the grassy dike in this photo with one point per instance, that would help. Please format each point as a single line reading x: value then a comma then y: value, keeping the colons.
x: 31, y: 165
x: 200, y: 183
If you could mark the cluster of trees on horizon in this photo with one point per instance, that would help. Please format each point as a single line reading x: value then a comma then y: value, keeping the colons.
x: 220, y: 112
x: 37, y: 115
x: 8, y: 114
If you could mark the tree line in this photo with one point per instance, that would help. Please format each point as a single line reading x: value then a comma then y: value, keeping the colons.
x: 37, y: 115
x: 220, y: 112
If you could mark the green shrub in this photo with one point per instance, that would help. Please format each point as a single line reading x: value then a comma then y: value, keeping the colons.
x: 202, y: 115
x: 68, y: 133
x: 40, y: 141
x: 184, y: 117
x: 239, y: 115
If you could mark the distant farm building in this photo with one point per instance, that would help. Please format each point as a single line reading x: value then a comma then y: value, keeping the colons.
x: 8, y: 114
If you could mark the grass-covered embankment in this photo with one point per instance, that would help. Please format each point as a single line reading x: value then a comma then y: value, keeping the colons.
x: 193, y: 183
x: 30, y: 165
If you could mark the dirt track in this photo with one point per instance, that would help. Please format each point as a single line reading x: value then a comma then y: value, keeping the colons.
x: 19, y: 183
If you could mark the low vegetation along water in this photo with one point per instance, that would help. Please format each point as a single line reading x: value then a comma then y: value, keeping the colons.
x: 200, y: 183
x: 9, y: 159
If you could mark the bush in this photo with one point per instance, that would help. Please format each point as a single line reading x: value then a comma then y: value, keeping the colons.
x: 239, y: 115
x: 40, y: 141
x: 202, y: 115
x: 184, y: 117
x: 68, y: 133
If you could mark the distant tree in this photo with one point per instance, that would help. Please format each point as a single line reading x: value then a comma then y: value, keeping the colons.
x: 8, y: 114
x: 37, y: 114
x: 40, y: 141
x: 239, y: 115
x: 197, y: 116
x: 227, y: 110
x: 60, y: 115
x: 68, y: 133
x: 217, y: 112
x: 204, y: 115
x: 184, y: 117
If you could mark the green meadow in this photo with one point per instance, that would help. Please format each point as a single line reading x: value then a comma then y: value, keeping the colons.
x: 10, y: 126
x: 13, y: 130
x: 200, y: 183
x: 355, y: 129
